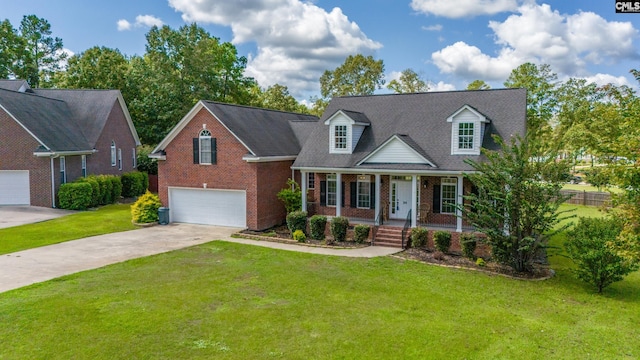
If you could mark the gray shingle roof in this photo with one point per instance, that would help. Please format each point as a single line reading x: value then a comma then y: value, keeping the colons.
x: 13, y: 85
x: 264, y: 132
x: 423, y: 117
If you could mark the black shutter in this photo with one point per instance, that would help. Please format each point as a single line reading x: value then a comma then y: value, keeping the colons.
x: 196, y: 150
x: 372, y: 203
x: 354, y: 194
x: 214, y: 151
x: 342, y: 200
x: 323, y: 193
x: 436, y: 199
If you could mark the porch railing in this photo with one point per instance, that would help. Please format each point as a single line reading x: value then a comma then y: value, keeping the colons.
x: 407, y: 225
x: 376, y: 225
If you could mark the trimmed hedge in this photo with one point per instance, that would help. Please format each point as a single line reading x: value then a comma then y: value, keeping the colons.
x: 95, y: 189
x: 317, y: 225
x: 339, y: 227
x: 134, y: 183
x: 419, y: 237
x: 361, y: 233
x: 468, y: 245
x: 145, y: 209
x: 75, y: 196
x: 442, y: 239
x: 297, y: 220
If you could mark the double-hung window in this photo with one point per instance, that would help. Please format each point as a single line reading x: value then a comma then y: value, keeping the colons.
x: 311, y: 183
x: 113, y: 153
x: 119, y: 159
x: 205, y: 146
x: 448, y: 196
x: 465, y: 136
x: 340, y: 137
x: 84, y: 165
x: 331, y: 190
x: 63, y: 170
x: 364, y: 192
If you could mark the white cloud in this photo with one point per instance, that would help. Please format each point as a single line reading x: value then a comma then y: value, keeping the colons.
x: 141, y: 21
x: 436, y: 27
x: 604, y: 79
x: 568, y: 43
x: 441, y: 86
x: 123, y: 25
x: 463, y: 8
x: 296, y: 40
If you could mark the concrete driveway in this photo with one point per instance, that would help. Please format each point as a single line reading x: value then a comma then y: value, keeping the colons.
x: 20, y: 215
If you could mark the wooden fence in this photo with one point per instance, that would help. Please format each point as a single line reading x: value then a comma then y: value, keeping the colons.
x: 589, y: 198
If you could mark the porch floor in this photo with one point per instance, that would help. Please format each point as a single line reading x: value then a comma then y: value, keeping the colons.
x: 400, y: 223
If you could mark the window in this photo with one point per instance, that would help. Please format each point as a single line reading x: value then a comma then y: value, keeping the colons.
x: 465, y: 136
x: 134, y: 158
x: 83, y: 159
x: 119, y: 159
x: 340, y: 136
x: 113, y: 153
x: 311, y: 182
x: 364, y: 192
x: 205, y: 146
x: 331, y: 190
x: 448, y: 196
x: 63, y: 170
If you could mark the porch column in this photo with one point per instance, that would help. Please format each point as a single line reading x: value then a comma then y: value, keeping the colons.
x: 414, y: 198
x: 377, y: 202
x: 460, y: 202
x: 303, y: 188
x: 338, y: 194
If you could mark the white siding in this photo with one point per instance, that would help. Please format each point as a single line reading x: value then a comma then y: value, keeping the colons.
x: 467, y: 116
x: 395, y: 152
x: 14, y: 187
x: 339, y: 120
x: 357, y: 131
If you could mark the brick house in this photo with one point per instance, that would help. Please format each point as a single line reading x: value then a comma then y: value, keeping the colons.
x: 51, y: 136
x: 224, y: 164
x: 396, y: 157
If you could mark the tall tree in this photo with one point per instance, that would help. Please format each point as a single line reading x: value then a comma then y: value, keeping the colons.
x: 95, y: 68
x: 42, y: 55
x: 277, y: 97
x: 574, y: 129
x: 10, y: 46
x: 358, y: 75
x: 478, y: 85
x: 408, y: 82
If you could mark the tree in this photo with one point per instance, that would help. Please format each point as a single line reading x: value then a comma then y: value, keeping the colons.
x: 593, y: 246
x: 517, y: 200
x: 95, y: 68
x: 478, y: 85
x: 42, y: 55
x: 277, y: 97
x: 358, y: 75
x: 10, y: 47
x: 409, y: 82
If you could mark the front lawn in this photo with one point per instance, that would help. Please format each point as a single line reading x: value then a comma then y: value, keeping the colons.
x: 107, y: 219
x: 230, y: 301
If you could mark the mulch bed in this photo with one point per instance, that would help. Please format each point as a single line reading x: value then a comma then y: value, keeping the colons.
x: 283, y: 235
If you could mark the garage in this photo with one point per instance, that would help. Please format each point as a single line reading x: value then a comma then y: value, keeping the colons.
x: 208, y: 206
x: 14, y: 187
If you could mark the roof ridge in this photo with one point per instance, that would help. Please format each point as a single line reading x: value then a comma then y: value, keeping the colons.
x: 255, y: 107
x: 32, y: 94
x: 427, y: 92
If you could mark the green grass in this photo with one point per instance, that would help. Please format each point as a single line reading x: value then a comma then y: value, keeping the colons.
x: 107, y: 219
x: 230, y: 301
x: 589, y: 188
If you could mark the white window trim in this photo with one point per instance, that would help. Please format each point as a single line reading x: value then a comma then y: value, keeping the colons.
x: 363, y: 179
x: 205, y: 135
x: 345, y: 137
x: 63, y: 169
x: 119, y: 159
x: 83, y: 161
x: 134, y: 158
x: 332, y: 178
x: 113, y: 153
x: 466, y: 137
x: 448, y: 182
x: 311, y: 184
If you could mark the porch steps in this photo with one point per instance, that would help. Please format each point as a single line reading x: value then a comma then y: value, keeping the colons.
x: 390, y: 236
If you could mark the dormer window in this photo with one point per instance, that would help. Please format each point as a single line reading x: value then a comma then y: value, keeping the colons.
x: 465, y: 136
x: 345, y: 129
x: 340, y: 132
x: 467, y: 131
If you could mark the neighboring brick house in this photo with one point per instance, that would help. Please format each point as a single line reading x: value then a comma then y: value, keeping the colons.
x: 393, y: 156
x: 224, y: 164
x: 52, y: 136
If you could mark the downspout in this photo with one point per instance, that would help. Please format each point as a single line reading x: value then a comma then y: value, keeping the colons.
x: 53, y: 184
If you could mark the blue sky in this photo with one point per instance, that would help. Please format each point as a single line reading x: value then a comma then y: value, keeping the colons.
x: 291, y: 42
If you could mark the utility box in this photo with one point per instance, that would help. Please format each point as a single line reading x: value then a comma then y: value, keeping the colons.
x: 163, y: 216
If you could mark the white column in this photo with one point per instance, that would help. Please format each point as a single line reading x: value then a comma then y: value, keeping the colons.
x: 460, y: 201
x: 338, y: 194
x: 377, y: 202
x: 414, y: 198
x: 303, y: 188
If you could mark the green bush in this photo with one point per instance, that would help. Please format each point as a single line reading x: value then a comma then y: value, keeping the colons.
x: 297, y: 220
x: 419, y: 237
x: 291, y: 196
x: 317, y: 225
x: 591, y: 244
x: 106, y: 189
x: 442, y: 239
x: 361, y: 233
x: 299, y: 236
x: 145, y: 209
x: 145, y: 163
x: 339, y: 227
x: 95, y: 189
x: 116, y: 188
x: 133, y: 183
x: 468, y: 243
x: 75, y: 196
x: 480, y: 262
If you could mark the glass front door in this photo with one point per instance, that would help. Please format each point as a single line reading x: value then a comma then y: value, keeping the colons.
x: 400, y: 199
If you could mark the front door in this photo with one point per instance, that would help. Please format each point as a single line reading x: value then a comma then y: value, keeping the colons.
x: 400, y: 199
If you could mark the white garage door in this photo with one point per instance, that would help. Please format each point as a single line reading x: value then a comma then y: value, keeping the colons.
x: 208, y: 206
x: 14, y: 187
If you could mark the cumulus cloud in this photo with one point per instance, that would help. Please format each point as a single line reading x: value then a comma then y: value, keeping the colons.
x: 441, y: 86
x: 296, y: 41
x: 463, y: 8
x: 569, y: 43
x: 436, y: 27
x: 604, y: 79
x: 141, y: 21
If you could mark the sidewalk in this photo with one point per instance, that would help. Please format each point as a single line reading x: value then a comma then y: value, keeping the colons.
x: 48, y: 262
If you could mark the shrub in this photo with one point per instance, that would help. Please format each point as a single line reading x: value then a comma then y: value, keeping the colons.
x: 591, y: 244
x: 339, y: 227
x: 95, y: 189
x: 133, y: 183
x: 145, y: 163
x: 297, y: 220
x: 145, y: 209
x: 299, y: 236
x: 480, y: 262
x: 106, y: 189
x: 291, y: 196
x: 317, y: 225
x: 116, y: 188
x: 75, y: 196
x: 419, y: 237
x: 361, y: 233
x: 442, y: 239
x: 468, y: 244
